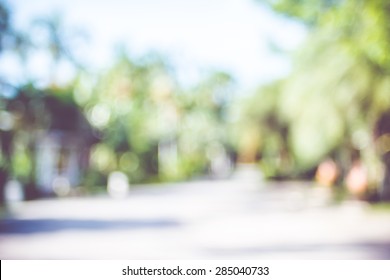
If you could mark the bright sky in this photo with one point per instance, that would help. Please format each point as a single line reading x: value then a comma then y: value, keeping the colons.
x: 231, y: 35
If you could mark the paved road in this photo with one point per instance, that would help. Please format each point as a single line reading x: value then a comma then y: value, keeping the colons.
x: 199, y: 220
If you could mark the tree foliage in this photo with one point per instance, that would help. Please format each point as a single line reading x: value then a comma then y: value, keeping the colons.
x: 339, y: 87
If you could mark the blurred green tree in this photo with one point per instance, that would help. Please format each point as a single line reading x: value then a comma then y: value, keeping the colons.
x: 151, y: 129
x: 339, y: 88
x: 58, y: 40
x: 126, y: 105
x: 260, y: 132
x: 28, y: 112
x: 6, y: 119
x: 203, y: 135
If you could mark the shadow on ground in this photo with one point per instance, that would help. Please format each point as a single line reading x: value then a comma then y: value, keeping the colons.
x: 53, y: 225
x: 377, y: 250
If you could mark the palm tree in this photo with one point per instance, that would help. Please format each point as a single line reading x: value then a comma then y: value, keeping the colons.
x: 58, y: 42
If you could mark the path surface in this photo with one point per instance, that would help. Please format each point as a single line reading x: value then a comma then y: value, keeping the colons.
x: 201, y: 220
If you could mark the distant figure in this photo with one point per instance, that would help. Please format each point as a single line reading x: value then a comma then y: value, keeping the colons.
x: 357, y: 180
x: 327, y: 173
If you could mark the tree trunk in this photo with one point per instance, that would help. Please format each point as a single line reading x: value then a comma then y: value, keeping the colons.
x: 3, y: 180
x: 384, y: 190
x: 6, y: 144
x: 382, y: 135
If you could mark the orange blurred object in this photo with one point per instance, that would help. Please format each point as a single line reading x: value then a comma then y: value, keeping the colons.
x: 327, y: 173
x: 356, y: 180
